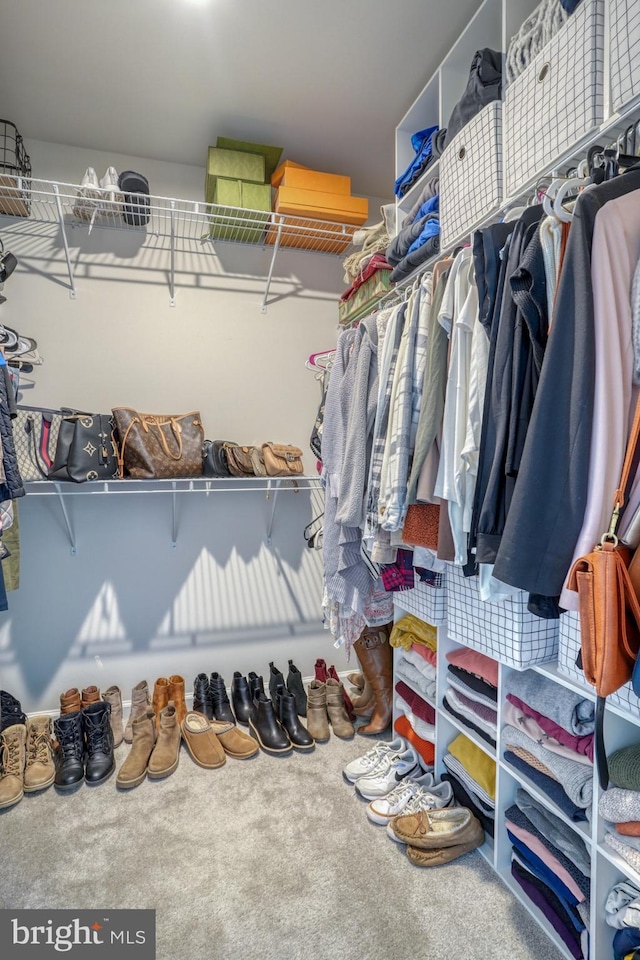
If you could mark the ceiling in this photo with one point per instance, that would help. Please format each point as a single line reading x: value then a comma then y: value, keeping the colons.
x: 326, y: 79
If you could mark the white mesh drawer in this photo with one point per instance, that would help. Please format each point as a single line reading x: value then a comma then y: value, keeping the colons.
x: 558, y: 99
x: 505, y: 631
x: 568, y: 650
x: 471, y: 175
x: 625, y: 51
x: 424, y: 601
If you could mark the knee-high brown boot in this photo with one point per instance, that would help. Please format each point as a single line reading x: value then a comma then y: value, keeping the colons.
x: 376, y: 657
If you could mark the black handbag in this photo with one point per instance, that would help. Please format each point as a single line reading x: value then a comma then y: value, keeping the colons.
x: 214, y: 459
x: 85, y: 449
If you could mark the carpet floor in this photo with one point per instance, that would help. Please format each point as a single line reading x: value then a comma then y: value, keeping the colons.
x: 259, y: 860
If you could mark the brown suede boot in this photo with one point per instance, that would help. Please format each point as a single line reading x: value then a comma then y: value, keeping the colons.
x: 40, y: 769
x: 363, y: 705
x: 12, y: 759
x: 176, y: 693
x: 113, y: 696
x: 70, y: 701
x: 376, y: 656
x: 90, y: 695
x: 160, y: 698
x: 340, y: 723
x: 134, y: 769
x: 140, y: 700
x: 317, y: 721
x: 166, y: 753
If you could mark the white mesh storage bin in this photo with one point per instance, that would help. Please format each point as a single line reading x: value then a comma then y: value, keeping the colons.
x: 625, y: 52
x: 557, y: 100
x: 505, y: 631
x: 471, y: 175
x: 424, y: 601
x: 568, y: 650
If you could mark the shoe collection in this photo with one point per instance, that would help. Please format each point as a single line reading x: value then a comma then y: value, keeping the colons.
x: 415, y: 809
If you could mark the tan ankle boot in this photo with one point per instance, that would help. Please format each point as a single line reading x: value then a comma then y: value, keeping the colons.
x: 113, y: 696
x: 12, y: 756
x: 166, y: 753
x: 70, y: 701
x: 90, y: 695
x: 317, y: 721
x: 160, y: 698
x: 176, y: 693
x: 39, y: 769
x: 340, y: 723
x: 140, y: 700
x: 134, y: 769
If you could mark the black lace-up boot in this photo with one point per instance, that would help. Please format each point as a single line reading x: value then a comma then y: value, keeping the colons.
x: 10, y: 711
x: 99, y: 741
x: 70, y: 752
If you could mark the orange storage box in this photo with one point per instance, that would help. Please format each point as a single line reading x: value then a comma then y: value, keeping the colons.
x: 322, y: 206
x: 312, y: 235
x: 302, y: 178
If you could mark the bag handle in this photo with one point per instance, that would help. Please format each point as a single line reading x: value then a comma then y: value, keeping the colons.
x: 628, y: 473
x: 177, y: 432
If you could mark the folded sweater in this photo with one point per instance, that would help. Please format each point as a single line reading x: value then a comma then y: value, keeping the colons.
x: 516, y: 717
x: 575, y: 778
x: 518, y: 818
x: 424, y: 747
x: 487, y: 715
x: 464, y: 799
x: 468, y: 722
x: 421, y: 663
x: 571, y: 711
x: 425, y: 653
x: 622, y: 907
x: 545, y: 856
x: 616, y: 842
x: 555, y: 830
x: 472, y: 786
x: 542, y: 899
x: 412, y: 630
x: 407, y: 671
x: 583, y: 745
x: 426, y: 731
x: 619, y: 805
x: 476, y: 663
x: 474, y: 683
x: 551, y: 788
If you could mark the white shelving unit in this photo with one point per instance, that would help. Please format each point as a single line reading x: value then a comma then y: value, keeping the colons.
x: 171, y: 220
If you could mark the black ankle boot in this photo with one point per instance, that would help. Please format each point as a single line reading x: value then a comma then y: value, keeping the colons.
x: 96, y: 720
x: 296, y: 687
x: 10, y: 711
x: 241, y: 698
x: 288, y: 717
x: 70, y: 753
x: 256, y: 686
x: 221, y: 706
x: 202, y: 699
x: 264, y: 726
x: 276, y: 682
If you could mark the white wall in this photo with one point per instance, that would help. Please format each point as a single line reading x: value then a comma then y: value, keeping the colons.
x: 222, y: 600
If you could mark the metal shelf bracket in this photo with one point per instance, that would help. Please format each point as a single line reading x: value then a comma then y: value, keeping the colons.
x: 172, y: 265
x: 65, y: 514
x: 174, y: 515
x: 67, y: 256
x: 276, y: 247
x: 276, y: 489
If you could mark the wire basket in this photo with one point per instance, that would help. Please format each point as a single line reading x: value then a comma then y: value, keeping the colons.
x: 15, y: 172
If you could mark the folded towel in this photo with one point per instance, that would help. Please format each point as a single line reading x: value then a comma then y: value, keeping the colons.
x: 571, y: 711
x: 619, y: 806
x: 575, y: 778
x: 476, y: 663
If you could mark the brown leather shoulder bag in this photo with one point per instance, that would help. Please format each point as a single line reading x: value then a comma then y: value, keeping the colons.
x: 607, y: 581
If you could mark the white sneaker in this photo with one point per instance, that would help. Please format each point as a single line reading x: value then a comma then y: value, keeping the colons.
x: 435, y: 798
x: 89, y: 192
x: 386, y: 808
x: 363, y: 766
x: 394, y: 768
x: 112, y: 197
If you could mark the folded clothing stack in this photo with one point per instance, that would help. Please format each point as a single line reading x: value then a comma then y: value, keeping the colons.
x: 472, y: 774
x: 427, y: 146
x: 620, y: 804
x: 416, y: 691
x: 549, y: 739
x: 419, y: 237
x: 622, y: 911
x: 412, y: 631
x: 551, y: 865
x: 472, y: 692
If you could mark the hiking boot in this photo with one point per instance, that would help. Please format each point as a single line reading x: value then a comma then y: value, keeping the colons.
x: 12, y: 755
x: 40, y: 770
x: 96, y: 720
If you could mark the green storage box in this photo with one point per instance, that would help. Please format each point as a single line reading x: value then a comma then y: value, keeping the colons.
x: 271, y: 154
x: 247, y: 201
x: 234, y: 164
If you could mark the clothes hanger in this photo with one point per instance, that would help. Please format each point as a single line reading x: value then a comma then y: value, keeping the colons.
x: 581, y: 181
x: 321, y: 360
